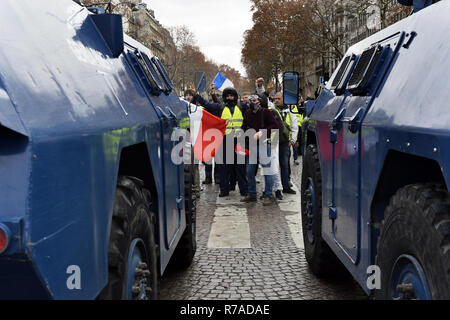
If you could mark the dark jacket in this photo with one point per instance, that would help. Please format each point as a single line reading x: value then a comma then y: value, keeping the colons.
x: 212, y: 107
x: 261, y: 118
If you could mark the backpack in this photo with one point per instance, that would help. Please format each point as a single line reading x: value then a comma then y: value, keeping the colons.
x: 284, y: 130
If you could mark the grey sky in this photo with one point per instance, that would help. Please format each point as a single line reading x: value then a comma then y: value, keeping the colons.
x: 218, y: 25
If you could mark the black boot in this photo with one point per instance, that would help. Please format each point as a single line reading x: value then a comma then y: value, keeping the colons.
x: 278, y: 195
x: 289, y: 191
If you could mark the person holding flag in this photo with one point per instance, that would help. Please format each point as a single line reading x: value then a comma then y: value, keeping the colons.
x: 231, y: 166
x: 191, y: 96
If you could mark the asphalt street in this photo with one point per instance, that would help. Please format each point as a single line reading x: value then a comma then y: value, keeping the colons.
x: 248, y: 251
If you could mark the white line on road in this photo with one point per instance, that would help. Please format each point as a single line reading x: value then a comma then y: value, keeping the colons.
x: 291, y: 203
x: 230, y: 228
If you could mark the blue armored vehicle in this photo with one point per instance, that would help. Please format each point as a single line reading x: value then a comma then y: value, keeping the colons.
x: 376, y: 168
x: 92, y: 204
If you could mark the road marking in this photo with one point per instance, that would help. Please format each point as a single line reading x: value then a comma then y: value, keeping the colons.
x: 294, y: 222
x: 230, y: 228
x: 291, y: 203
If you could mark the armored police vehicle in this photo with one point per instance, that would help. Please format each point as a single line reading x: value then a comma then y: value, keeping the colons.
x: 376, y: 167
x: 91, y: 203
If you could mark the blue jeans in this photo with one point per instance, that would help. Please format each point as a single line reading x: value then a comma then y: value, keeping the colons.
x: 284, y: 154
x: 268, y: 179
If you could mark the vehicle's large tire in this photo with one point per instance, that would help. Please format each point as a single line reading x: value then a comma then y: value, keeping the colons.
x: 416, y: 224
x: 133, y: 221
x: 320, y: 258
x: 186, y: 248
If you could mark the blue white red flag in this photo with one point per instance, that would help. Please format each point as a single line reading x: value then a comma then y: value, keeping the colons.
x: 221, y: 82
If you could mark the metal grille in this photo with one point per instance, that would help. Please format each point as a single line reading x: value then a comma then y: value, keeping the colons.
x: 340, y: 73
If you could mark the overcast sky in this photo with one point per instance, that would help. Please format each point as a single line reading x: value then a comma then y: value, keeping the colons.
x: 218, y: 25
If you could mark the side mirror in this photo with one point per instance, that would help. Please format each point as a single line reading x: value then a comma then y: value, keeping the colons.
x: 290, y: 88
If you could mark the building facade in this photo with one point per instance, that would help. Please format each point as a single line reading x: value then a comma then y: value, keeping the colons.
x: 351, y: 23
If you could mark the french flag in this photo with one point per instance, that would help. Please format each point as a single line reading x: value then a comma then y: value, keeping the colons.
x: 207, y: 132
x: 221, y: 82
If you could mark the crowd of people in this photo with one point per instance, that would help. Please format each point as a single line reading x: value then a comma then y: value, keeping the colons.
x: 275, y: 127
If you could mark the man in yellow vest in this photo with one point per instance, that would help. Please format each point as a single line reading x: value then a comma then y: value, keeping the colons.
x: 286, y: 140
x: 297, y: 148
x: 233, y: 114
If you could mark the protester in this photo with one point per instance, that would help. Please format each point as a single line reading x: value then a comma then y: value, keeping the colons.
x: 232, y: 113
x: 277, y: 185
x: 192, y: 96
x: 260, y: 89
x: 258, y: 117
x: 245, y: 102
x: 297, y: 147
x: 288, y: 137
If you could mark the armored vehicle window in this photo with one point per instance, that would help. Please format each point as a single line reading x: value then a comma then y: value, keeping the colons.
x: 152, y: 72
x: 363, y: 70
x: 155, y: 88
x: 163, y: 73
x: 142, y: 72
x: 339, y: 89
x: 340, y: 73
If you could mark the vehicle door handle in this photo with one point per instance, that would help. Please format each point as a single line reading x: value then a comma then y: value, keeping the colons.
x: 172, y: 117
x: 354, y: 120
x: 171, y: 114
x: 336, y: 125
x: 340, y: 118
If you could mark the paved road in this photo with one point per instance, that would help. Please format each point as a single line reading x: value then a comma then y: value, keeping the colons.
x: 247, y: 251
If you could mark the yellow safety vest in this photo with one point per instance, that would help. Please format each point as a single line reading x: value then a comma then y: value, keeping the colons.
x: 185, y: 123
x: 236, y: 119
x: 287, y: 122
x: 298, y: 115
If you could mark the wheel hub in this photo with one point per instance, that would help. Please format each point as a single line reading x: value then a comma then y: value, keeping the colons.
x: 138, y: 275
x: 408, y: 281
